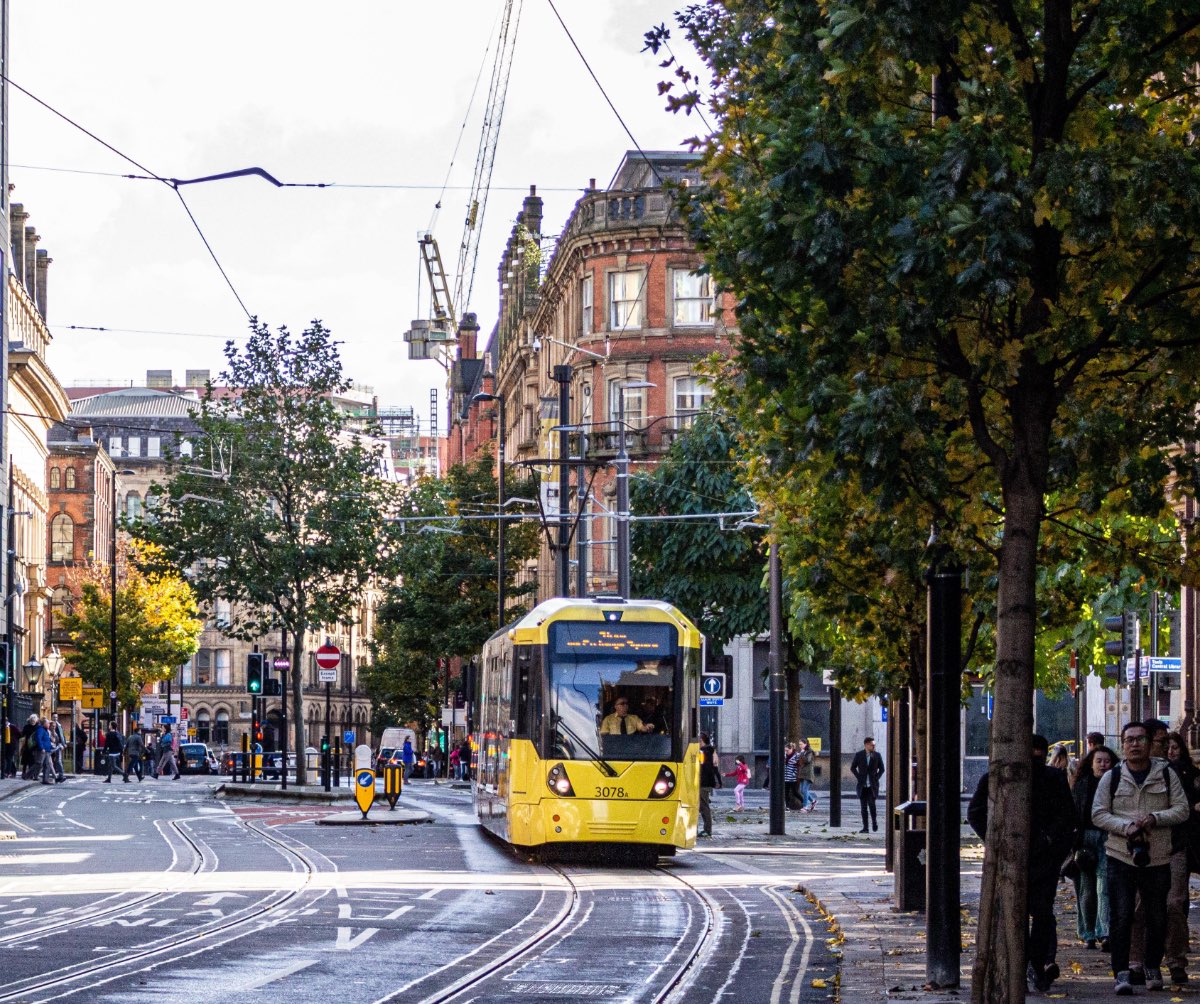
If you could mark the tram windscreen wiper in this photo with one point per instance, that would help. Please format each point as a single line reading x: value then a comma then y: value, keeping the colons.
x: 592, y: 754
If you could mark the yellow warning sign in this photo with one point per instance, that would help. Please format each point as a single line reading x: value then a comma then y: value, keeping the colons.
x: 93, y: 697
x: 364, y: 789
x: 70, y: 688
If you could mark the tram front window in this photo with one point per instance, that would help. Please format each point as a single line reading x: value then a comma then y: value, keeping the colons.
x: 612, y: 692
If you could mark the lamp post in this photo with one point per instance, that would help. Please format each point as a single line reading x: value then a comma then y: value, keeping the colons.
x: 33, y: 673
x: 623, y: 586
x: 112, y: 622
x: 500, y: 501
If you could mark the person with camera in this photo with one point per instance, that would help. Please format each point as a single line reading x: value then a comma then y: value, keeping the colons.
x: 1088, y: 867
x: 1137, y: 804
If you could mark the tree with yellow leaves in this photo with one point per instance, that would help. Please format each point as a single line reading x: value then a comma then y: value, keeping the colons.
x: 158, y: 622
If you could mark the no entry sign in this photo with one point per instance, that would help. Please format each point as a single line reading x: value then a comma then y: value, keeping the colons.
x: 329, y: 657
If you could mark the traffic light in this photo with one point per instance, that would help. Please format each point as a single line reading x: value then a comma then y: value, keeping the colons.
x: 3, y: 663
x: 324, y: 744
x: 255, y: 671
x: 1126, y: 625
x: 273, y: 687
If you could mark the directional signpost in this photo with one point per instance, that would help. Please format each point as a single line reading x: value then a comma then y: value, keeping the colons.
x: 329, y: 657
x: 712, y: 690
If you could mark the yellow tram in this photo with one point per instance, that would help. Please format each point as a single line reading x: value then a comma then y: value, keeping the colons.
x: 585, y: 727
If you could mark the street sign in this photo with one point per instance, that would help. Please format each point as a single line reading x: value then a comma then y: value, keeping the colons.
x: 70, y: 688
x: 364, y: 790
x: 711, y: 702
x: 1163, y: 663
x: 327, y: 675
x: 329, y: 657
x: 280, y: 663
x: 348, y: 738
x: 1130, y: 671
x: 166, y: 719
x: 712, y: 685
x: 154, y: 706
x: 183, y: 714
x: 94, y: 697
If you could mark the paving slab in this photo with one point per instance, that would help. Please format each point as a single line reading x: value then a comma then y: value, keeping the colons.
x: 377, y: 817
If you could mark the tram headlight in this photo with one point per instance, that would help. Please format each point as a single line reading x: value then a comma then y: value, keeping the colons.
x: 558, y: 782
x: 664, y: 784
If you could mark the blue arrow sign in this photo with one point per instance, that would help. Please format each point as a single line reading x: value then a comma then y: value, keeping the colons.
x: 713, y: 684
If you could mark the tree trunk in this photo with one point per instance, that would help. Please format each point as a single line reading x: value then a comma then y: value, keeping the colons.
x: 920, y: 708
x: 792, y: 676
x: 999, y: 970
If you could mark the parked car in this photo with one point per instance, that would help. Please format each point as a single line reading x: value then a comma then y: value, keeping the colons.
x: 197, y: 758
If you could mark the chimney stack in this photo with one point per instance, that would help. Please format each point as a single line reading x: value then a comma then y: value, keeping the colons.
x: 468, y: 336
x: 28, y: 276
x: 17, y: 218
x: 43, y: 270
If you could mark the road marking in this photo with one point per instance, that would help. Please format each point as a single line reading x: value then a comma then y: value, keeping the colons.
x: 62, y: 858
x: 346, y: 943
x: 76, y: 840
x: 278, y: 974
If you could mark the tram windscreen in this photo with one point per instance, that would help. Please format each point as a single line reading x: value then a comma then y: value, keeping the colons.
x: 612, y: 690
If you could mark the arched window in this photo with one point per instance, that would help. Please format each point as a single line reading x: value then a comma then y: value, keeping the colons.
x: 221, y: 729
x: 133, y: 505
x: 62, y: 538
x: 203, y: 726
x: 70, y: 477
x: 55, y: 477
x: 60, y: 606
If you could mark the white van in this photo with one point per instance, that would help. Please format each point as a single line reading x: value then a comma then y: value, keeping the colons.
x: 390, y: 745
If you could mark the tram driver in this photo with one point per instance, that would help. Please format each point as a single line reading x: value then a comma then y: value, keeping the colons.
x: 621, y: 722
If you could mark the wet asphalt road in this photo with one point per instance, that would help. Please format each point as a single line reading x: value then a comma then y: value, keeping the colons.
x: 160, y: 891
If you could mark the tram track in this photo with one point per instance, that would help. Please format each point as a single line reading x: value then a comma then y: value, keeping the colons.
x: 91, y: 973
x: 96, y: 912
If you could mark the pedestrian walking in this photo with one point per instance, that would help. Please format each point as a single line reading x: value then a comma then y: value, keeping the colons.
x: 1137, y: 804
x: 81, y: 742
x: 59, y: 739
x: 135, y: 746
x: 166, y: 754
x: 29, y: 746
x: 1090, y: 859
x: 44, y: 768
x: 741, y: 778
x: 408, y: 758
x: 710, y: 778
x: 1175, y: 948
x: 791, y: 757
x: 464, y: 759
x: 114, y: 747
x: 867, y: 768
x: 804, y: 775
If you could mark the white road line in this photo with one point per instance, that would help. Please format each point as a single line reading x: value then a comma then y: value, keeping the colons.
x: 781, y: 980
x: 278, y: 974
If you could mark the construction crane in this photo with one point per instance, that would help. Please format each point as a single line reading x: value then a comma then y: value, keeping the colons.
x: 432, y: 338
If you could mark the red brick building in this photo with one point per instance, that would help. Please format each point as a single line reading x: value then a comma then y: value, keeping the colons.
x: 616, y: 302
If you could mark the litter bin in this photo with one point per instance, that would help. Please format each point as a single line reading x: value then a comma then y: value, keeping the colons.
x: 908, y: 823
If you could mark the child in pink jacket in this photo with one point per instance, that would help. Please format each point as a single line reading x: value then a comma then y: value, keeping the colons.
x: 741, y: 776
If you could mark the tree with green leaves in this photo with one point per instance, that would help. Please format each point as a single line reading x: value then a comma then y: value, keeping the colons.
x: 280, y: 508
x: 158, y: 624
x: 443, y: 604
x: 963, y: 237
x: 711, y: 570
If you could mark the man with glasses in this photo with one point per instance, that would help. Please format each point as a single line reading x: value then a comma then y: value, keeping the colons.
x: 621, y: 722
x: 1137, y: 803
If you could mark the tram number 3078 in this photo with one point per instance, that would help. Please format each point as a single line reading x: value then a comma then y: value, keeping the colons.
x: 605, y: 792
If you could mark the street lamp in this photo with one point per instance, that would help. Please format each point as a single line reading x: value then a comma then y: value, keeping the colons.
x: 112, y: 622
x: 623, y: 586
x: 500, y: 502
x: 33, y: 672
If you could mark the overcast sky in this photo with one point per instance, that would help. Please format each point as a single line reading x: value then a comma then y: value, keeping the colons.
x: 367, y: 92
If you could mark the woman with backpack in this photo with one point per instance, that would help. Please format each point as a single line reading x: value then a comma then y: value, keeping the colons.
x: 1090, y: 878
x: 1179, y: 759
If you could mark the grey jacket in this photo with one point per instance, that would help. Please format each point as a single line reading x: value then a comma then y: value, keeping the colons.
x: 1160, y: 794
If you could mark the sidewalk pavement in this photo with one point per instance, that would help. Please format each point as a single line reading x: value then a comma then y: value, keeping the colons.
x: 883, y: 954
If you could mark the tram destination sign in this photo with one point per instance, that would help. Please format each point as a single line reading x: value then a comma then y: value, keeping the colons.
x: 606, y: 638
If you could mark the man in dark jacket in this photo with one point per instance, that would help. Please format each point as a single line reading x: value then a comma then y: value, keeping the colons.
x: 114, y: 746
x: 867, y: 768
x: 1051, y: 836
x: 710, y: 777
